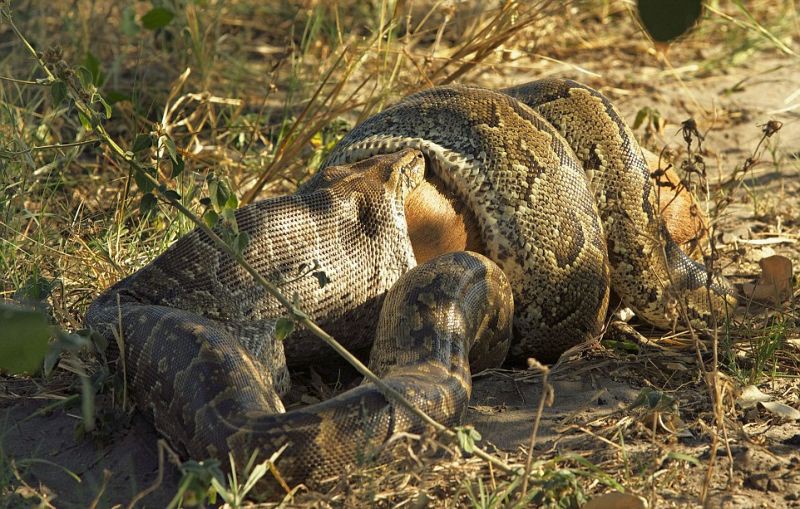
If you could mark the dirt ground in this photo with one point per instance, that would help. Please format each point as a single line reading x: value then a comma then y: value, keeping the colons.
x: 590, y: 412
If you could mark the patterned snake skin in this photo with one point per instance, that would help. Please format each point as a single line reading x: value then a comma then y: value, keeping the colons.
x: 564, y: 201
x: 199, y: 352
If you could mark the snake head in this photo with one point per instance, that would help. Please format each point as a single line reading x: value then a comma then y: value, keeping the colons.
x: 401, y: 171
x: 709, y: 297
x: 398, y: 173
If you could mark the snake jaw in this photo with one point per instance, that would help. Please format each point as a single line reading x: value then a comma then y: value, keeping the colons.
x: 405, y: 170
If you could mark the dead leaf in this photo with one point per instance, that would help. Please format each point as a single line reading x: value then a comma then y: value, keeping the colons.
x: 751, y: 396
x: 782, y: 410
x: 759, y: 254
x: 775, y: 284
x: 735, y: 234
x: 616, y: 500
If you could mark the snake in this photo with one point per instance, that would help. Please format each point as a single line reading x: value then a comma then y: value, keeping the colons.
x: 458, y: 228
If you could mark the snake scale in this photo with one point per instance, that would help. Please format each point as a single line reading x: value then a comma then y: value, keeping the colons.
x: 553, y: 190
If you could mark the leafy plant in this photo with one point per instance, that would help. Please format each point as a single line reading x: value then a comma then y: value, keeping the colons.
x: 235, y: 493
x: 24, y: 337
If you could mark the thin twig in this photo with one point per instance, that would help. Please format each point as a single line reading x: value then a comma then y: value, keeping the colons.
x: 23, y: 82
x: 547, y: 393
x: 56, y: 146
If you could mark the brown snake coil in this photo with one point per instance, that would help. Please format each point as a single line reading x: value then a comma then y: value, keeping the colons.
x: 200, y: 358
x: 563, y: 196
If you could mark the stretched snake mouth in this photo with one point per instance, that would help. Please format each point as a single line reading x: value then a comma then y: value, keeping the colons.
x: 408, y: 172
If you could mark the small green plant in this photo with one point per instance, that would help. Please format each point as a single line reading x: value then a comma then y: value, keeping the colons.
x: 549, y: 486
x: 195, y: 486
x: 763, y: 346
x: 467, y: 438
x: 24, y: 339
x: 235, y: 493
x: 481, y: 497
x: 652, y: 121
x: 204, y: 481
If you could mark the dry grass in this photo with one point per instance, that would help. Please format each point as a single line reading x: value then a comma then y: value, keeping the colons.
x: 258, y: 92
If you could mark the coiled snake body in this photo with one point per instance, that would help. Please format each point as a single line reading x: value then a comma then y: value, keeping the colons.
x: 561, y: 201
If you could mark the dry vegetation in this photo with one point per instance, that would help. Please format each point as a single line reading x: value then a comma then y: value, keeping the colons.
x: 258, y: 92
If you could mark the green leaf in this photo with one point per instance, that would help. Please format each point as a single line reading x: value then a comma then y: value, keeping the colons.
x: 225, y: 494
x: 85, y: 122
x: 177, y: 166
x: 129, y: 25
x: 641, y: 115
x: 157, y: 17
x: 24, y: 336
x: 85, y: 76
x: 653, y: 399
x: 666, y: 20
x: 283, y: 327
x: 597, y: 472
x: 93, y: 65
x: 258, y: 472
x: 58, y: 91
x: 211, y: 218
x: 232, y: 203
x: 172, y: 150
x: 106, y: 107
x: 467, y: 436
x: 213, y: 184
x: 144, y: 184
x: 240, y: 242
x: 148, y: 204
x: 229, y: 215
x: 142, y: 142
x: 684, y: 457
x: 36, y: 289
x: 115, y: 96
x: 221, y: 196
x: 172, y: 195
x: 196, y: 482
